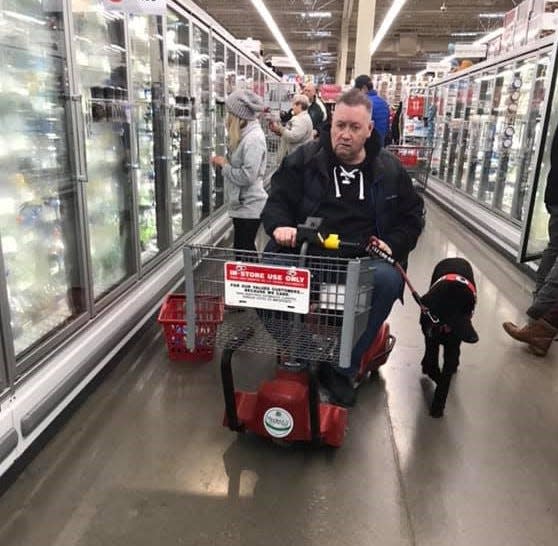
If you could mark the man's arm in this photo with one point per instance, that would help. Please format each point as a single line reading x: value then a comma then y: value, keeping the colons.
x: 296, y: 132
x: 285, y: 195
x: 403, y: 235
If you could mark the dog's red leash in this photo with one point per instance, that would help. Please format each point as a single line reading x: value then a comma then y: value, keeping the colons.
x: 373, y: 248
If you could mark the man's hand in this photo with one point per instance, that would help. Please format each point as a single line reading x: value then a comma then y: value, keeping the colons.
x: 275, y: 128
x: 285, y: 236
x: 383, y: 246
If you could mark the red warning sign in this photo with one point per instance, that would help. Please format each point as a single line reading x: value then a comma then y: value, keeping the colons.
x: 272, y: 287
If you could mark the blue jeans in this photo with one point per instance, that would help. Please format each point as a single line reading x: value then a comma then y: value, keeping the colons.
x: 388, y: 287
x: 546, y: 291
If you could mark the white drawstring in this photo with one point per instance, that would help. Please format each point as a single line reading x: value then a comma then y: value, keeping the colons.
x: 347, y: 178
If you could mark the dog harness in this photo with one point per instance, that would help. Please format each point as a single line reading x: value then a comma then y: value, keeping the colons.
x: 453, y: 277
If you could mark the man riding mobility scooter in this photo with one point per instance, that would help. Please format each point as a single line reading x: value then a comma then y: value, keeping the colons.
x: 307, y: 310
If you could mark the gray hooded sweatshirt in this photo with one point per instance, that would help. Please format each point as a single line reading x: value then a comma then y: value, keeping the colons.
x: 244, y: 174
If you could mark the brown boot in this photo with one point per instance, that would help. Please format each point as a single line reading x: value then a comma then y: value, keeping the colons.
x: 539, y: 334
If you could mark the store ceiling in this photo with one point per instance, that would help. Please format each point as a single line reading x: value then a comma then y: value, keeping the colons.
x: 421, y: 32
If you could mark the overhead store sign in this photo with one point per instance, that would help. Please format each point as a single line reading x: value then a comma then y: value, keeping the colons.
x: 149, y: 7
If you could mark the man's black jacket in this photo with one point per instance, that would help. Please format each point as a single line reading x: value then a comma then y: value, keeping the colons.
x: 298, y: 185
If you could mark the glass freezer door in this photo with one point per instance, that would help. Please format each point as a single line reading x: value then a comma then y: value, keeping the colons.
x: 510, y: 136
x: 181, y: 107
x: 456, y: 129
x: 230, y: 74
x: 529, y: 151
x: 146, y: 57
x: 203, y: 134
x: 38, y: 197
x: 101, y: 65
x: 220, y: 115
x: 486, y: 123
x: 535, y: 235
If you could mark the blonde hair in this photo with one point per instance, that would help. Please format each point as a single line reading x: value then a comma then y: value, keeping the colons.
x: 234, y: 128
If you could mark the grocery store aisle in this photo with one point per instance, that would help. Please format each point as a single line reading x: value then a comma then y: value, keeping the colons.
x: 144, y: 460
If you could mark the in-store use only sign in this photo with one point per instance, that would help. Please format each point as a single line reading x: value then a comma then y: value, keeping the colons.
x: 152, y: 7
x: 272, y: 287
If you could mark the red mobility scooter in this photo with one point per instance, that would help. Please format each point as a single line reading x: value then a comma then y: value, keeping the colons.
x: 308, y: 311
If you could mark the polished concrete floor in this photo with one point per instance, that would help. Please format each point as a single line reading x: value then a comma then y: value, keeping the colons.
x: 144, y: 461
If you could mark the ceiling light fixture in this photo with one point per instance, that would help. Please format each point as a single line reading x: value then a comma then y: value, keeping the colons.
x: 495, y: 15
x: 319, y: 33
x: 274, y: 29
x: 316, y: 14
x: 392, y: 13
x: 465, y: 33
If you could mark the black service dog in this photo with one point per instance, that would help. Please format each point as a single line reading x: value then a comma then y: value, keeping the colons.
x: 451, y: 300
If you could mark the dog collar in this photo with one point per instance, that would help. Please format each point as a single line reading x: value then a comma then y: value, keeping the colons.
x: 453, y: 277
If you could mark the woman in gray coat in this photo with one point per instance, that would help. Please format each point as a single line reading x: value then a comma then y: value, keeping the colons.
x: 244, y: 170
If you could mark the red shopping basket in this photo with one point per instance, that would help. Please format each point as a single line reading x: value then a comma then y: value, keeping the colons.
x: 409, y: 158
x: 209, y: 313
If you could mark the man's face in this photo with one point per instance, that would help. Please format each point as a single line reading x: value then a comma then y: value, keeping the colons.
x: 310, y: 91
x: 350, y: 127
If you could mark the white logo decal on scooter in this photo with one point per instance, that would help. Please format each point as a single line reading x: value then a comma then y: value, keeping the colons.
x: 278, y: 422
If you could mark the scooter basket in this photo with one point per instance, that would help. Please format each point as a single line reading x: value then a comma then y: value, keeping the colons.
x: 209, y: 313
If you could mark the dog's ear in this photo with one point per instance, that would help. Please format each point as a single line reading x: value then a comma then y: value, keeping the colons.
x: 463, y: 328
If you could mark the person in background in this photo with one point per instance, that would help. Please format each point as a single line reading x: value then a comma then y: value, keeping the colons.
x: 360, y: 190
x: 244, y: 170
x: 380, y: 108
x: 396, y: 124
x: 299, y: 128
x: 316, y: 109
x: 542, y: 326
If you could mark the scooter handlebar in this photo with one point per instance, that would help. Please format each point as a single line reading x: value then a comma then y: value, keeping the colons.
x: 333, y: 242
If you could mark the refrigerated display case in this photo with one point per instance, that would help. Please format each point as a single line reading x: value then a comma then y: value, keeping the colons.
x: 487, y: 124
x: 40, y: 234
x: 98, y: 194
x: 101, y: 57
x: 146, y: 70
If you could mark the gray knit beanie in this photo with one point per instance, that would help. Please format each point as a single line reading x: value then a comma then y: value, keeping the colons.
x: 244, y: 104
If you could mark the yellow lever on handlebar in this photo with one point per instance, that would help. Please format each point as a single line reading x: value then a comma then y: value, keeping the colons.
x: 332, y: 242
